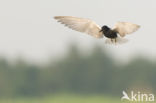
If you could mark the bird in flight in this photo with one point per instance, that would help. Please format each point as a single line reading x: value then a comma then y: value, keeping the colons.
x: 90, y: 27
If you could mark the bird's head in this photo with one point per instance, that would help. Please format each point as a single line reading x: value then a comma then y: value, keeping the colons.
x: 104, y: 28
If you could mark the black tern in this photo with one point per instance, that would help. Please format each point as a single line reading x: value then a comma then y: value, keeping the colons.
x: 90, y: 27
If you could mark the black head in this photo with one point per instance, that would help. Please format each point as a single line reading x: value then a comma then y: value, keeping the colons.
x: 105, y: 28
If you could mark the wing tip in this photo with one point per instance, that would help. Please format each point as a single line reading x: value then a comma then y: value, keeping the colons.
x: 57, y: 17
x: 60, y: 17
x: 139, y: 26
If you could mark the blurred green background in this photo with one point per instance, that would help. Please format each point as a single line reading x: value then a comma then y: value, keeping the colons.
x: 75, y: 78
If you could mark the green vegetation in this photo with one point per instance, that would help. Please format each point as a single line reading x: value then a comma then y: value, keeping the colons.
x: 76, y: 73
x: 65, y: 99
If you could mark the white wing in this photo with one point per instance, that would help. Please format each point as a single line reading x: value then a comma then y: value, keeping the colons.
x: 81, y: 25
x: 124, y: 28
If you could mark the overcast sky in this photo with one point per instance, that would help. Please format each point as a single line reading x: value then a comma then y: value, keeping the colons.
x: 27, y: 27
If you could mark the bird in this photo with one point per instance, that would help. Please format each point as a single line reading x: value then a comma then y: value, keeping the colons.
x: 115, y: 34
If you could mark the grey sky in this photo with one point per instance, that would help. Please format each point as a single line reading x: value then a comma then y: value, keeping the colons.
x: 27, y: 27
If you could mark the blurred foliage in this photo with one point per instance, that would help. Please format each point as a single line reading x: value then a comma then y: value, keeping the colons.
x: 77, y: 73
x: 65, y: 98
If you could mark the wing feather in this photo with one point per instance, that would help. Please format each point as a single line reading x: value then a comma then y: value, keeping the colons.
x: 81, y: 25
x: 124, y: 28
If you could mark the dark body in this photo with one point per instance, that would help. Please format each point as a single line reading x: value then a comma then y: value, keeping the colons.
x: 107, y: 32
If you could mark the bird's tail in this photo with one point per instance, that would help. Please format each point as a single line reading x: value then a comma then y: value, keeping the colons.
x: 118, y: 40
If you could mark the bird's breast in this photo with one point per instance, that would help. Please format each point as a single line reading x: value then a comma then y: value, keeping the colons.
x: 110, y: 34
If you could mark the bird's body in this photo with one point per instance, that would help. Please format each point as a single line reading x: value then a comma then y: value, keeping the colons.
x: 107, y: 32
x: 90, y: 27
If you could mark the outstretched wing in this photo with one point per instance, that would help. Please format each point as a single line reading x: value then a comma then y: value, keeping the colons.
x: 124, y: 28
x: 81, y: 25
